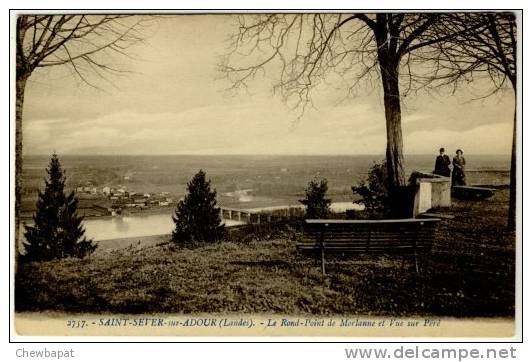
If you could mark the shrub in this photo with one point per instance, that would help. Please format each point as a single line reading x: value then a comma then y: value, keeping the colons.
x: 317, y: 206
x: 374, y: 191
x: 415, y: 175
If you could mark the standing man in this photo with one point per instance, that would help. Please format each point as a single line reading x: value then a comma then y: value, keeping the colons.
x: 442, y: 164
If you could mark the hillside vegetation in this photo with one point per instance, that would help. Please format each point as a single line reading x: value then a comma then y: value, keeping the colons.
x: 470, y: 272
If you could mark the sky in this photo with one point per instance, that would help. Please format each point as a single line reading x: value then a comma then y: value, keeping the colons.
x: 174, y: 102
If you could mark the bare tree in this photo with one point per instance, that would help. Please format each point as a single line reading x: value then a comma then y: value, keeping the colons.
x: 489, y: 52
x: 85, y: 43
x: 310, y: 49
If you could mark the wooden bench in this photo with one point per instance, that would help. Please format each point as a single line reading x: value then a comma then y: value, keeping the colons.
x: 403, y: 236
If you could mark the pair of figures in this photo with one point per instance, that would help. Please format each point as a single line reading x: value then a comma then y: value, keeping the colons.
x: 443, y: 163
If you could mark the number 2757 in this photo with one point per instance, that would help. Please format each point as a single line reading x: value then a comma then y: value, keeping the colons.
x: 76, y: 323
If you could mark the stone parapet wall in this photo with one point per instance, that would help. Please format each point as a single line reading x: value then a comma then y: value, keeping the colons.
x: 432, y: 191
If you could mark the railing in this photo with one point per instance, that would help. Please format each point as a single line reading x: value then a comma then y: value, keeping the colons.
x: 485, y: 177
x: 257, y: 216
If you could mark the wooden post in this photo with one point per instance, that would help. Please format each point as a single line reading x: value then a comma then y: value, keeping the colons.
x: 322, y: 260
x: 415, y: 258
x: 368, y: 240
x: 415, y: 245
x: 322, y: 245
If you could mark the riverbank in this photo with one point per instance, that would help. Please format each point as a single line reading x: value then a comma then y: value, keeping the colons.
x: 108, y: 246
x: 470, y: 273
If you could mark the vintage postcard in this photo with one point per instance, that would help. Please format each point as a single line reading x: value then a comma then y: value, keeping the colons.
x: 334, y: 174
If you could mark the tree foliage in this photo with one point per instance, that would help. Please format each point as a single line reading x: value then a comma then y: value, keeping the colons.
x: 197, y: 218
x: 317, y: 205
x: 57, y: 231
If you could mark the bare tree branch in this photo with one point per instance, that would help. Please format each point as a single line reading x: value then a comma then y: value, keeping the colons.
x: 72, y: 40
x: 53, y: 40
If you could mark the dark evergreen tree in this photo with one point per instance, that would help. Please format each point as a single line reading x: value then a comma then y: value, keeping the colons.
x: 196, y: 217
x: 57, y: 231
x: 318, y: 207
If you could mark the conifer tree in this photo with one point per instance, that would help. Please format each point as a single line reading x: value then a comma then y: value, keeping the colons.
x: 196, y: 217
x: 57, y: 231
x: 318, y: 207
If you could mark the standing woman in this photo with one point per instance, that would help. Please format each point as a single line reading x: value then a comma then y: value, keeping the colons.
x: 459, y: 163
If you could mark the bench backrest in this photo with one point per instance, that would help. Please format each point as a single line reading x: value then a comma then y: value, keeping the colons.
x: 368, y: 235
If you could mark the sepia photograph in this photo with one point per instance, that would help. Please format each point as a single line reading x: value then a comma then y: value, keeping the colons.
x: 268, y: 174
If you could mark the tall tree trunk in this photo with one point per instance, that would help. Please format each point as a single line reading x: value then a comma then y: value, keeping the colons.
x: 389, y: 59
x: 394, y: 134
x: 513, y: 176
x: 20, y: 87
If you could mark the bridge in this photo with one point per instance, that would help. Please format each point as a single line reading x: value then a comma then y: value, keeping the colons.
x: 262, y: 214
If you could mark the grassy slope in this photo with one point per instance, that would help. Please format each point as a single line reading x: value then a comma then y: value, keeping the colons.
x: 470, y: 273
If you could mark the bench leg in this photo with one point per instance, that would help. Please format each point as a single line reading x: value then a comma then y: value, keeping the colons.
x: 322, y: 261
x: 415, y: 259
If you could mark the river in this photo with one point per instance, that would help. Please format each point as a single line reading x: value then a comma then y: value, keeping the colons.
x: 139, y: 225
x: 132, y: 226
